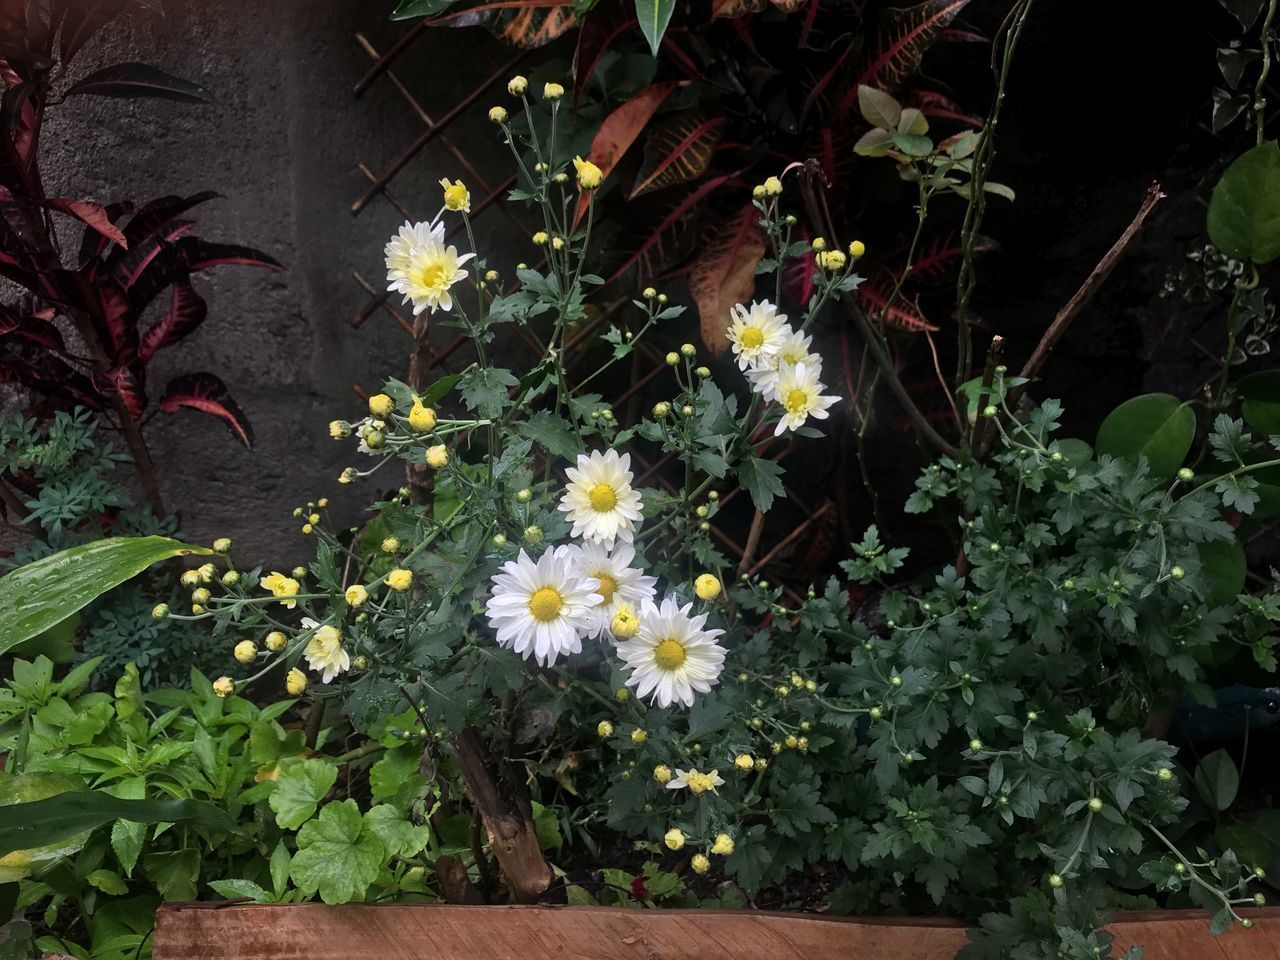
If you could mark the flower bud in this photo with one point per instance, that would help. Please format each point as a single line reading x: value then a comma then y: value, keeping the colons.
x: 223, y: 687
x: 421, y: 419
x: 381, y: 406
x: 744, y: 762
x: 275, y: 641
x: 857, y: 249
x: 649, y: 293
x: 1186, y: 474
x: 437, y: 457
x: 604, y: 729
x: 639, y: 735
x: 662, y: 773
x: 200, y: 595
x: 661, y: 409
x: 702, y: 372
x: 723, y: 845
x: 160, y: 611
x: 295, y: 682
x: 674, y: 839
x: 772, y: 186
x: 517, y: 85
x: 356, y: 595
x: 399, y: 579
x: 498, y: 114
x: 246, y: 651
x: 688, y: 350
x: 499, y: 540
x: 390, y: 545
x: 552, y: 91
x: 707, y: 587
x: 524, y: 495
x: 673, y: 358
x: 533, y: 533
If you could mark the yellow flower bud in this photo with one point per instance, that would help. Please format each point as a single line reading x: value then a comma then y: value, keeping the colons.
x: 831, y: 260
x: 818, y: 244
x: 246, y: 651
x: 456, y: 195
x: 552, y: 91
x: 437, y: 456
x: 390, y: 545
x: 744, y: 762
x: 191, y: 578
x: 723, y: 846
x: 639, y: 735
x: 772, y: 186
x: 517, y: 85
x: 400, y: 579
x: 200, y: 595
x: 557, y: 243
x: 857, y: 249
x: 674, y: 839
x: 649, y: 293
x: 540, y: 238
x: 207, y: 572
x: 699, y: 864
x: 339, y: 429
x: 221, y: 545
x: 223, y: 687
x: 160, y: 611
x: 380, y: 405
x: 758, y: 191
x: 348, y: 475
x: 625, y: 624
x: 589, y: 175
x: 356, y: 595
x: 707, y: 587
x: 275, y: 641
x: 498, y: 114
x: 662, y: 773
x: 295, y: 682
x: 604, y: 728
x: 421, y: 419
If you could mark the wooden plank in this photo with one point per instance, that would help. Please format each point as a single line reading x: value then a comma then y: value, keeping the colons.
x: 453, y: 932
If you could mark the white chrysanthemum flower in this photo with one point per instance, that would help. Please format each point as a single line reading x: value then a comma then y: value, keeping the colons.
x: 673, y: 655
x: 800, y: 393
x: 756, y: 333
x: 542, y: 609
x: 696, y: 782
x: 599, y: 501
x: 621, y: 585
x: 794, y: 349
x: 422, y: 267
x: 324, y: 652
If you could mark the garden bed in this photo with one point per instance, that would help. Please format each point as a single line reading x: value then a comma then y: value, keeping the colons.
x: 450, y: 932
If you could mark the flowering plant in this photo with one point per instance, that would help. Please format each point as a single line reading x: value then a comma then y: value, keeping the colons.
x: 546, y: 628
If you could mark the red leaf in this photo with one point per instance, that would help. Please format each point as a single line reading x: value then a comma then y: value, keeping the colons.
x: 121, y: 383
x: 819, y: 88
x: 725, y: 273
x: 187, y: 311
x: 620, y: 130
x: 155, y: 214
x: 934, y: 262
x: 677, y: 151
x: 911, y: 31
x: 903, y: 314
x: 655, y: 237
x: 208, y: 394
x: 202, y: 255
x: 594, y: 39
x: 114, y: 317
x: 92, y: 215
x: 933, y: 104
x: 36, y: 329
x: 797, y: 278
x: 83, y: 19
x: 93, y: 243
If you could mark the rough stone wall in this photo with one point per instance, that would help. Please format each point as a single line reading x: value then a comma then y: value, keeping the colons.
x: 280, y: 142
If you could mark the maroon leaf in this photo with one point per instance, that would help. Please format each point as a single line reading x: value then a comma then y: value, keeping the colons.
x: 138, y: 80
x: 202, y: 255
x: 910, y: 32
x: 122, y: 384
x: 127, y: 266
x: 725, y: 273
x: 84, y: 18
x: 36, y: 329
x: 187, y: 311
x: 597, y: 34
x: 93, y: 243
x: 901, y: 313
x: 936, y: 260
x: 677, y: 151
x: 208, y: 394
x: 92, y: 215
x: 155, y: 214
x: 934, y: 104
x: 660, y: 234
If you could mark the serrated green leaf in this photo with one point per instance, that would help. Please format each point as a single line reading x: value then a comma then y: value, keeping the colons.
x: 299, y: 790
x: 338, y: 854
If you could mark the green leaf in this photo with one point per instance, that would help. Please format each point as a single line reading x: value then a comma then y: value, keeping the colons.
x: 1157, y: 426
x: 485, y: 391
x: 761, y: 480
x: 1244, y: 209
x: 408, y: 9
x: 1260, y: 406
x: 551, y: 432
x: 42, y: 594
x: 26, y: 826
x: 547, y: 827
x: 398, y: 835
x: 174, y: 873
x: 108, y: 881
x: 138, y: 80
x: 338, y: 854
x: 299, y: 790
x: 881, y: 110
x: 653, y: 16
x: 240, y: 889
x: 1217, y: 779
x: 874, y: 143
x: 1224, y: 564
x: 913, y: 144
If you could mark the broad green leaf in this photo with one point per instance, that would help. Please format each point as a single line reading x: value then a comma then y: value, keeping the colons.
x: 1260, y: 393
x: 27, y: 825
x: 1224, y: 564
x: 761, y: 478
x: 398, y: 835
x: 553, y: 433
x: 1244, y: 209
x: 299, y: 790
x: 1075, y: 451
x: 913, y: 121
x: 175, y: 873
x: 240, y: 889
x: 41, y: 595
x: 874, y: 143
x: 108, y: 881
x: 653, y: 16
x: 397, y: 767
x: 881, y: 110
x: 1157, y: 426
x: 409, y: 9
x: 547, y: 827
x: 1252, y: 846
x: 15, y: 862
x: 1217, y: 779
x: 127, y: 836
x: 912, y: 144
x: 57, y: 643
x: 338, y: 855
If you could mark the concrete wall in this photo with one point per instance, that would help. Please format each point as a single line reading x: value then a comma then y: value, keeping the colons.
x: 281, y: 142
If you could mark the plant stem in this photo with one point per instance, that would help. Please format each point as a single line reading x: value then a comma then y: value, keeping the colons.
x: 1259, y: 89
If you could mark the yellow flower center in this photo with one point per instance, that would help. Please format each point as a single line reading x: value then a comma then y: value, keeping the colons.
x: 432, y: 275
x: 669, y: 654
x: 545, y: 604
x: 602, y: 498
x: 752, y: 337
x: 607, y: 586
x: 796, y: 400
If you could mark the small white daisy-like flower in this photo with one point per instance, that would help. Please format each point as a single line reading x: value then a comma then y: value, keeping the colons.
x: 422, y: 267
x: 673, y: 655
x: 800, y: 393
x: 324, y: 652
x: 756, y: 333
x: 794, y: 349
x: 599, y: 501
x: 621, y: 585
x: 542, y: 609
x: 696, y: 782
